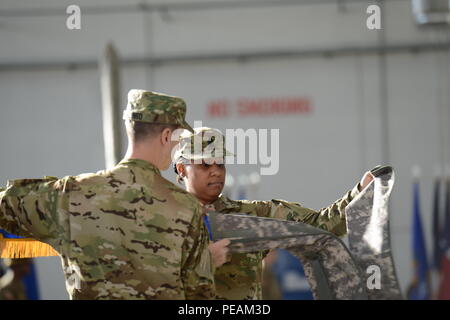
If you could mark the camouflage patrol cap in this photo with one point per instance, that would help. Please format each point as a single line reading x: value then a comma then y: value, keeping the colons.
x: 154, y: 107
x: 204, y: 143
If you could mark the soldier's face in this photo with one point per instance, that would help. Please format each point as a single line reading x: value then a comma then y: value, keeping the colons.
x: 205, y: 180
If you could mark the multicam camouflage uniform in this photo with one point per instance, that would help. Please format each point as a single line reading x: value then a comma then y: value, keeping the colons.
x: 124, y: 233
x: 241, y: 277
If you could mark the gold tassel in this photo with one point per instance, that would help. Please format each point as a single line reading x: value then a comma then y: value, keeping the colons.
x: 24, y: 248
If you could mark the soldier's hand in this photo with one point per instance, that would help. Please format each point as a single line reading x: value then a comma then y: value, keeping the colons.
x: 366, y: 179
x: 220, y: 252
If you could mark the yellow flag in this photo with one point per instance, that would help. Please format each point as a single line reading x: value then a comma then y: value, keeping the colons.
x: 24, y: 248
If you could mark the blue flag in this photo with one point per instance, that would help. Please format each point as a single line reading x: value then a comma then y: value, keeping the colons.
x: 437, y: 230
x: 31, y: 284
x: 7, y: 235
x: 420, y: 286
x: 291, y: 277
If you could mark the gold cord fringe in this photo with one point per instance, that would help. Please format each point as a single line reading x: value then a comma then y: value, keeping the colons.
x: 24, y: 248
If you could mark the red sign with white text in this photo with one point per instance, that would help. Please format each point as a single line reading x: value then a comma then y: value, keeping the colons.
x: 246, y: 107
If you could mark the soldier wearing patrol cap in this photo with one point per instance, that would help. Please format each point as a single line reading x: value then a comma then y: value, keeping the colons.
x: 124, y: 233
x: 199, y: 163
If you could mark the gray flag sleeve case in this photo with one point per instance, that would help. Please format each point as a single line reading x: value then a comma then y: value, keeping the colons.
x: 369, y: 237
x: 334, y: 271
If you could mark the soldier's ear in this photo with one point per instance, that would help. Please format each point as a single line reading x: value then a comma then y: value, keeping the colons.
x: 180, y: 169
x: 166, y: 136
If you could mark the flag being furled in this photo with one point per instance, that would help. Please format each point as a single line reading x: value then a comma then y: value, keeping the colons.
x: 12, y: 246
x: 420, y: 286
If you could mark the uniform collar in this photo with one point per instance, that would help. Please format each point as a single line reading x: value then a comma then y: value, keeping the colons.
x: 143, y: 164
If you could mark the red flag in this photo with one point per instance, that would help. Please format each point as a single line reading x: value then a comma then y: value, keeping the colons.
x: 444, y: 287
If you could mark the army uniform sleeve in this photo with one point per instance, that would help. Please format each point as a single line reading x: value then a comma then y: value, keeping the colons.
x: 32, y: 208
x: 198, y: 269
x: 331, y: 218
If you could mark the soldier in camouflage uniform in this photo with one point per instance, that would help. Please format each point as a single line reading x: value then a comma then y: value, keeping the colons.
x: 124, y: 233
x: 199, y: 162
